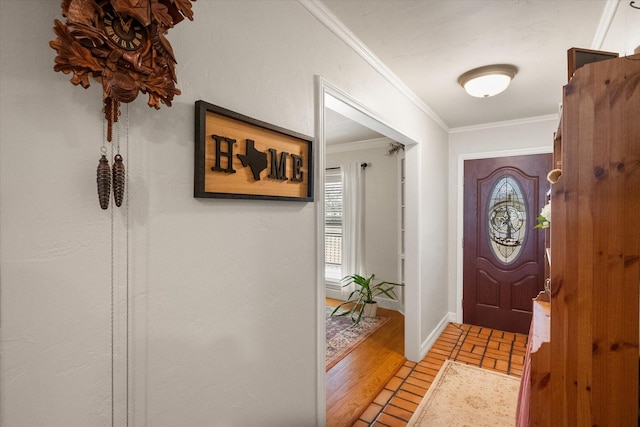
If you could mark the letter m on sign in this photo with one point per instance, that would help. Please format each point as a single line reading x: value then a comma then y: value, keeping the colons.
x: 278, y: 166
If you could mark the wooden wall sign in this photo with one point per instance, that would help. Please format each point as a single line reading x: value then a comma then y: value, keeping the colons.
x: 239, y: 157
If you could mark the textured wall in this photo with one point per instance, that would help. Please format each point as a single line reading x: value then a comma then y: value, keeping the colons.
x: 222, y: 293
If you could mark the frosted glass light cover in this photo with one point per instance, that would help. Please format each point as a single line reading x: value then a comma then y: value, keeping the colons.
x: 487, y: 81
x: 486, y: 86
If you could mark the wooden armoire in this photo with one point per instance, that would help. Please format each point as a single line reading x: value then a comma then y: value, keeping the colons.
x: 582, y: 364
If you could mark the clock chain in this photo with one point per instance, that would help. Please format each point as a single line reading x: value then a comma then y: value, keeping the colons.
x: 118, y: 175
x: 127, y: 272
x: 119, y: 169
x: 115, y: 176
x: 103, y: 176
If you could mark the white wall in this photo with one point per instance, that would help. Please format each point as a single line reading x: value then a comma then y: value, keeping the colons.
x: 222, y: 300
x: 433, y: 238
x: 507, y: 139
x: 380, y: 205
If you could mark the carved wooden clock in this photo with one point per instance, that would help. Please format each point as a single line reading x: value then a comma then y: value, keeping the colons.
x: 122, y: 44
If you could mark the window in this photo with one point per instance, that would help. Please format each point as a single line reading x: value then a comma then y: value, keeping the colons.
x: 333, y: 225
x: 507, y: 219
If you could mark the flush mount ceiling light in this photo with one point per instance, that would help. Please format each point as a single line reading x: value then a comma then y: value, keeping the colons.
x: 487, y: 81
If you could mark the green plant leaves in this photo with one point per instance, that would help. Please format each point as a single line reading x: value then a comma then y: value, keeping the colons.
x: 365, y: 292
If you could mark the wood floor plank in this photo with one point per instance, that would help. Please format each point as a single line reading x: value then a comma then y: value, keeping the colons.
x: 355, y: 381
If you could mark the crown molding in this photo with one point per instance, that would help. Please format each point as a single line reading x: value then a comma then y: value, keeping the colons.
x: 329, y: 20
x: 506, y: 123
x: 366, y: 144
x: 606, y: 19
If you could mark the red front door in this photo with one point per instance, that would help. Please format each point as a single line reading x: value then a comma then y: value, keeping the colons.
x: 503, y: 266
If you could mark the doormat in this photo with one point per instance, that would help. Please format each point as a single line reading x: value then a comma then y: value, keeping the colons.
x: 343, y: 336
x: 463, y: 395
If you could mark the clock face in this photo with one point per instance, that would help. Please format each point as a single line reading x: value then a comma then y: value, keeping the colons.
x: 124, y: 31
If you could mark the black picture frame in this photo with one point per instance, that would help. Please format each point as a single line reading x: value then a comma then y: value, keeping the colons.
x: 203, y: 108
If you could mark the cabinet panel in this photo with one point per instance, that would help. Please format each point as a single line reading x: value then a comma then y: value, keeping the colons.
x: 587, y: 372
x: 595, y: 245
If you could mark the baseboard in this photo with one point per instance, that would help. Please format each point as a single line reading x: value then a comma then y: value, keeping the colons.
x: 435, y: 334
x: 453, y: 317
x: 390, y: 304
x: 386, y: 303
x: 334, y: 293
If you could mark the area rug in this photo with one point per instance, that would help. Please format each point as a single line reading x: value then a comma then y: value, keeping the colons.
x: 343, y: 336
x: 464, y: 396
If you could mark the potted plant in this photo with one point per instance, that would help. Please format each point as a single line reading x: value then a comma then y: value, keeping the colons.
x: 361, y: 302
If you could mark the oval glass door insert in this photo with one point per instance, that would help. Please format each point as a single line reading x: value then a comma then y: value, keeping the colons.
x: 507, y: 219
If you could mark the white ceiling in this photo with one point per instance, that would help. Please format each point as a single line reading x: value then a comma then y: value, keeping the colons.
x: 341, y: 130
x: 427, y: 44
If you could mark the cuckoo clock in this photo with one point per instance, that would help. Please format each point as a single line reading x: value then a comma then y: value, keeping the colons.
x: 122, y: 44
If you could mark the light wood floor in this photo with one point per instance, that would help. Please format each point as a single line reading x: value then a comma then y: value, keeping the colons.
x: 355, y: 381
x: 394, y: 388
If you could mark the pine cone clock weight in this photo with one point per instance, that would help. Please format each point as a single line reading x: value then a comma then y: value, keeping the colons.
x: 104, y: 181
x: 118, y: 179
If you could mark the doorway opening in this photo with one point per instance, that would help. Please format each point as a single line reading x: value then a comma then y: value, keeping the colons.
x: 333, y: 100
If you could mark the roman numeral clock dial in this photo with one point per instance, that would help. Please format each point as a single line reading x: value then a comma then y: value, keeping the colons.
x: 123, y: 31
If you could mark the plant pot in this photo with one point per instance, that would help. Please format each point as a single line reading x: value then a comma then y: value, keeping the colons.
x: 370, y: 309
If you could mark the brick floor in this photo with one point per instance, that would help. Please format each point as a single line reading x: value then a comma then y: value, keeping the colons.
x: 482, y: 347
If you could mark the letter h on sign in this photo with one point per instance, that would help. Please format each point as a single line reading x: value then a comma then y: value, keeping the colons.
x: 228, y: 154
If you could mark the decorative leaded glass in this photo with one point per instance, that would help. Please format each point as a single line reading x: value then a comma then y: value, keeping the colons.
x: 507, y: 219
